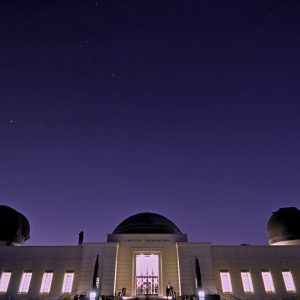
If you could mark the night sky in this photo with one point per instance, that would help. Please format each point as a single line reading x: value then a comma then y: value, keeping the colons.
x: 190, y: 109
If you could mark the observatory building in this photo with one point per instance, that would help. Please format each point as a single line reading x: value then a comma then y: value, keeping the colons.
x: 148, y: 255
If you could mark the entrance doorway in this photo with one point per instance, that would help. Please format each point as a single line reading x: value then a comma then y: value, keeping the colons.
x: 147, y: 274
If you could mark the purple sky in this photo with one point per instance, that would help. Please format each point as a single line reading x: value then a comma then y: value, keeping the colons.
x: 190, y: 109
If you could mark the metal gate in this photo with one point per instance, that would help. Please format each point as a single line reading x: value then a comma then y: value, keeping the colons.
x: 147, y: 284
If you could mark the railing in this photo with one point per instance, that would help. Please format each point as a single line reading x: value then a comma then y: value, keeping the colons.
x: 75, y: 293
x: 227, y: 296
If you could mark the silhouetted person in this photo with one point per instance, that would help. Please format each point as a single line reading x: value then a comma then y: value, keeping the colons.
x: 80, y: 238
x: 168, y: 289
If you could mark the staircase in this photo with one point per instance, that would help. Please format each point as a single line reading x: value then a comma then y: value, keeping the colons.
x: 146, y: 297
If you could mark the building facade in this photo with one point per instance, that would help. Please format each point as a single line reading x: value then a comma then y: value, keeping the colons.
x: 145, y: 255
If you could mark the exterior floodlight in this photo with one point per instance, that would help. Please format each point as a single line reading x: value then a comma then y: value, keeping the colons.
x: 93, y: 295
x: 201, y: 295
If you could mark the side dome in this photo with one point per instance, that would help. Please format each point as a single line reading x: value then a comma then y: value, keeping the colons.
x: 284, y: 227
x: 147, y: 223
x: 14, y: 227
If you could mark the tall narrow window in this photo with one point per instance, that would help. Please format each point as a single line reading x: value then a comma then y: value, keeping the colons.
x: 247, y: 282
x: 268, y: 281
x: 68, y: 282
x: 226, y: 282
x: 25, y: 282
x: 46, y: 282
x: 288, y: 281
x: 4, y: 281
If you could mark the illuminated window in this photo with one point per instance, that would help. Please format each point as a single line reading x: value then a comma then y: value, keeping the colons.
x: 268, y: 281
x: 68, y: 282
x: 226, y: 282
x: 25, y: 282
x: 4, y: 281
x: 46, y: 282
x: 247, y: 282
x: 288, y: 281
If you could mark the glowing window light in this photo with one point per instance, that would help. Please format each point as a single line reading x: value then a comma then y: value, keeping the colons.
x: 68, y: 282
x: 4, y: 281
x: 147, y: 263
x: 46, y: 282
x: 288, y: 281
x: 268, y: 281
x: 247, y: 282
x: 25, y: 282
x: 226, y: 282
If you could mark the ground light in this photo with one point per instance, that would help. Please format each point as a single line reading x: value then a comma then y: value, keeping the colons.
x: 201, y: 295
x: 93, y: 295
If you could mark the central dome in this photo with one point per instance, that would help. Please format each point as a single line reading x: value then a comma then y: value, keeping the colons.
x: 147, y: 223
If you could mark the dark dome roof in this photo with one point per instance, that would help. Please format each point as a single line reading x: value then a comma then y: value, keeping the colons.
x: 14, y: 227
x: 147, y: 223
x: 284, y: 225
